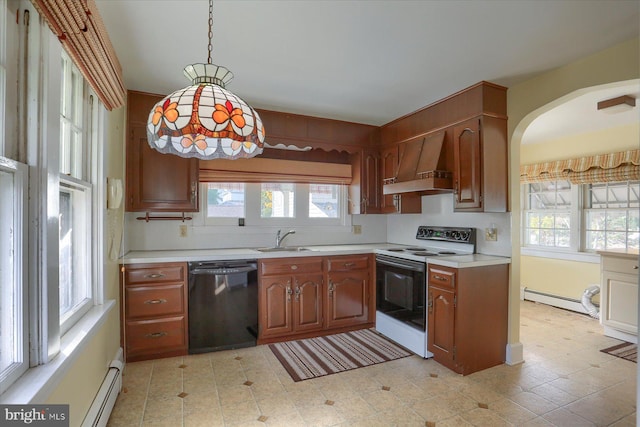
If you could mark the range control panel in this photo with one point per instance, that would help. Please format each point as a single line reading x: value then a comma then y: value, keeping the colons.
x: 447, y: 234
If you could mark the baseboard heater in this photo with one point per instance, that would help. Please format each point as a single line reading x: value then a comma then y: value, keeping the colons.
x: 105, y: 400
x: 554, y: 300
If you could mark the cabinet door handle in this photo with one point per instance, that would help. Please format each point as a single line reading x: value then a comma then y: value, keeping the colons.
x: 156, y: 335
x: 297, y: 293
x: 440, y: 278
x: 294, y: 267
x: 349, y: 264
x: 289, y: 291
x: 330, y: 289
x: 635, y: 267
x: 194, y: 189
x: 156, y: 301
x: 430, y: 303
x: 154, y: 276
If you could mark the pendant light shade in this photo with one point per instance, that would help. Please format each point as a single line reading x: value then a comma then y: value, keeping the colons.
x: 205, y: 120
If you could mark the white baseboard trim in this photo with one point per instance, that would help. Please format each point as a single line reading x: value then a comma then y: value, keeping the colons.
x: 515, y: 354
x: 620, y: 335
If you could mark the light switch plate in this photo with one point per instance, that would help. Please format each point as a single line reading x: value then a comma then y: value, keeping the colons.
x: 357, y: 229
x: 183, y: 231
x: 491, y: 234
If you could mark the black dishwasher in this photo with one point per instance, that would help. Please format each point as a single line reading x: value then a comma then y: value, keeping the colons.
x: 223, y: 305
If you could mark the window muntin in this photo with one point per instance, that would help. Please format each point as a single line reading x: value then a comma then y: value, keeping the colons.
x: 71, y: 120
x: 13, y: 304
x: 547, y: 219
x: 611, y: 216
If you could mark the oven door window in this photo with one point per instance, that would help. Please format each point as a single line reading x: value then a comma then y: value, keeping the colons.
x: 401, y: 294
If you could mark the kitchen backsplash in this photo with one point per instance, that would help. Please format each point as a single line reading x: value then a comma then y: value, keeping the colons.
x: 436, y: 210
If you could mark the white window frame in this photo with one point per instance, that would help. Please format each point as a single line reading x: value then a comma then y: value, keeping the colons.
x: 18, y: 281
x: 78, y: 174
x: 577, y: 250
x: 301, y: 218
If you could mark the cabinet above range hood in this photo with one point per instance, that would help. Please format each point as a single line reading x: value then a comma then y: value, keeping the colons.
x: 421, y: 168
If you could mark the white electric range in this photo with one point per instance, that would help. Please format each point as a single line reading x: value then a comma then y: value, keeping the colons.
x: 401, y: 283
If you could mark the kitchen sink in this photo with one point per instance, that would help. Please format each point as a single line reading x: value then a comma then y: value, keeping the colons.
x: 284, y: 249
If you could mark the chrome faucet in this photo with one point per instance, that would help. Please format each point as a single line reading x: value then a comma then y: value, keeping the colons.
x: 279, y: 238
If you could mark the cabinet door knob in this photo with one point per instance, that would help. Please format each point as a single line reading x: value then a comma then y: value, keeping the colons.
x: 294, y: 267
x: 156, y: 301
x: 156, y: 335
x: 635, y: 267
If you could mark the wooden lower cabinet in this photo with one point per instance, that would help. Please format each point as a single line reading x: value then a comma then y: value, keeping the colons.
x: 310, y: 296
x: 468, y: 316
x: 349, y: 290
x: 154, y: 304
x: 290, y: 296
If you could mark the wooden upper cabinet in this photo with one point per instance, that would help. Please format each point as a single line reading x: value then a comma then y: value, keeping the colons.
x: 155, y: 181
x: 366, y: 186
x: 395, y: 203
x: 480, y: 165
x: 466, y: 174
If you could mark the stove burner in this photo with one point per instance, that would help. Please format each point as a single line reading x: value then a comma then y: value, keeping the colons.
x: 413, y: 249
x: 423, y: 253
x: 396, y: 250
x: 446, y: 253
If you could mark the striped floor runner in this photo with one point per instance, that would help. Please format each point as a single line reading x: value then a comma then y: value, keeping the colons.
x: 625, y: 350
x: 316, y: 357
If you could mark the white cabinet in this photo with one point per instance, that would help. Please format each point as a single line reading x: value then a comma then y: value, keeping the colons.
x: 619, y: 295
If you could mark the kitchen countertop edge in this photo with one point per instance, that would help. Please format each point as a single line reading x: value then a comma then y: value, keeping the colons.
x: 162, y: 256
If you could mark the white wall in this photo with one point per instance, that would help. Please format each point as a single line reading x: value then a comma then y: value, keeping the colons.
x: 164, y: 235
x: 437, y: 210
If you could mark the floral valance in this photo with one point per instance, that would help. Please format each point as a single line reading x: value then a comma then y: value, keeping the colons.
x: 620, y: 166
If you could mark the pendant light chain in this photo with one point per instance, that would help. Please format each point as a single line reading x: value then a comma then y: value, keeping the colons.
x: 210, y: 30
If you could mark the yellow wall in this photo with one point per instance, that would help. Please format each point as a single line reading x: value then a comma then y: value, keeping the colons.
x: 558, y: 277
x: 526, y: 101
x: 83, y: 380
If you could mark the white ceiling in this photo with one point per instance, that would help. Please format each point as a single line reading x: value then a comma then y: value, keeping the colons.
x: 579, y: 113
x: 361, y: 61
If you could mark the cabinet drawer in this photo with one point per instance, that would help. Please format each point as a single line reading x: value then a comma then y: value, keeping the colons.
x: 156, y: 336
x: 290, y: 265
x: 154, y: 301
x: 150, y: 273
x: 442, y: 277
x: 620, y: 265
x: 348, y: 263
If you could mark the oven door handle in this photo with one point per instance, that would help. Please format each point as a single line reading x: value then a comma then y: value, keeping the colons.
x: 390, y: 263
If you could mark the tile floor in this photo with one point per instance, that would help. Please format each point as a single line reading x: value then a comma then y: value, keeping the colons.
x: 565, y: 381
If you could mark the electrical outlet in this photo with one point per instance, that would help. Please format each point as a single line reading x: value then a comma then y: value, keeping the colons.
x: 357, y: 229
x: 491, y: 234
x: 183, y: 231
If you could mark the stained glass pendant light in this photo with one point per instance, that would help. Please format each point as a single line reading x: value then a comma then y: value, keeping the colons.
x: 205, y: 120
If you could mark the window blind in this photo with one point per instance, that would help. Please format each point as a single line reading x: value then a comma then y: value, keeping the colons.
x: 79, y: 27
x: 609, y: 167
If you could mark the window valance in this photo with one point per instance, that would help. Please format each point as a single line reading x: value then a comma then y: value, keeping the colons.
x: 259, y: 169
x: 79, y: 27
x: 620, y: 166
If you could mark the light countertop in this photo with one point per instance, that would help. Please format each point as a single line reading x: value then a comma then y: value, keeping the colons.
x: 455, y: 261
x: 628, y: 253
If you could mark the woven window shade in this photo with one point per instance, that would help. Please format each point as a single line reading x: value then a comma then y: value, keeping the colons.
x: 272, y: 170
x: 611, y: 167
x: 80, y: 29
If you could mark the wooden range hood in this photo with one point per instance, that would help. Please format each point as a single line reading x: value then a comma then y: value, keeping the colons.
x: 421, y: 168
